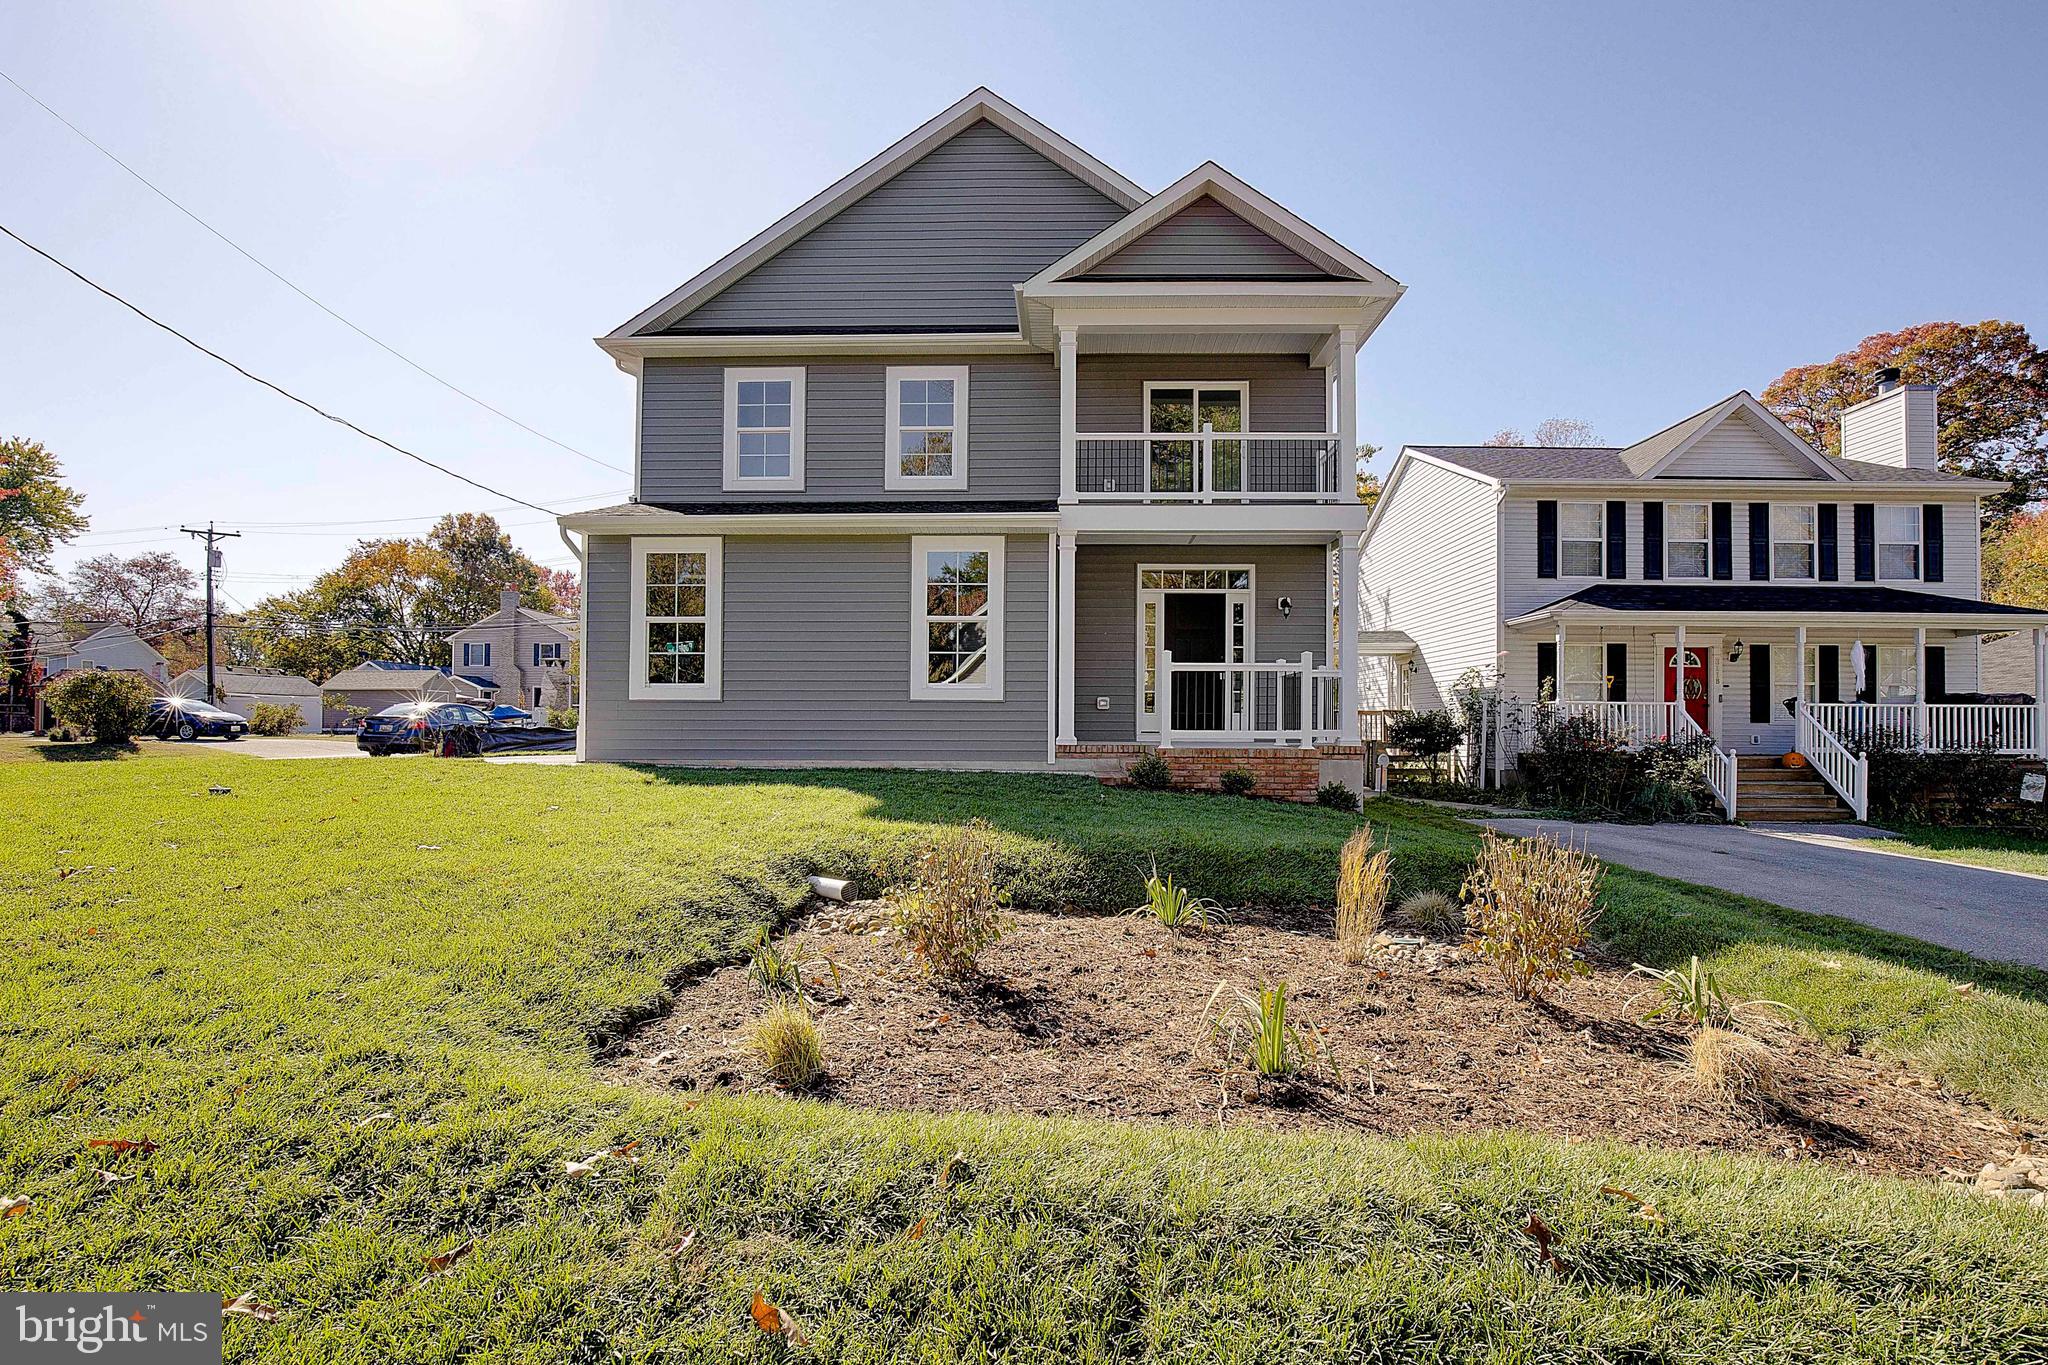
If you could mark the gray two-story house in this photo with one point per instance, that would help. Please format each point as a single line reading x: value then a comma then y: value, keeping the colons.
x: 987, y: 457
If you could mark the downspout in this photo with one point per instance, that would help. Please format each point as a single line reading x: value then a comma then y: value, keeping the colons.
x: 582, y: 638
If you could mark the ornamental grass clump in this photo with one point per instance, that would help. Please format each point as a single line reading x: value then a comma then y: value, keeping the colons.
x: 952, y: 909
x: 786, y: 1039
x: 1693, y: 993
x: 1174, y: 906
x: 1252, y: 1029
x: 1363, y: 878
x: 1530, y: 906
x: 1432, y: 913
x: 1735, y: 1065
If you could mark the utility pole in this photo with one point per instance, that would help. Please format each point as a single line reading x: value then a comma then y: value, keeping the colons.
x: 209, y: 535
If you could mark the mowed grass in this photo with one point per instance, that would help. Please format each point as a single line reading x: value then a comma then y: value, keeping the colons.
x: 354, y: 1002
x: 1981, y: 847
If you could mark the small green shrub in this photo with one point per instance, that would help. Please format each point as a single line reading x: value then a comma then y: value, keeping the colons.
x: 1432, y: 913
x: 63, y: 734
x: 1151, y: 774
x: 108, y: 705
x: 1336, y: 796
x: 1237, y: 782
x: 1692, y: 992
x: 786, y: 1039
x: 273, y: 718
x: 1964, y: 787
x: 1174, y: 906
x: 1426, y: 734
x: 775, y: 968
x: 1253, y: 1029
x: 562, y: 717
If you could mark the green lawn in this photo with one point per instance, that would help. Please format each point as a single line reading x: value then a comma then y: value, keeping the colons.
x: 249, y: 979
x: 1983, y: 847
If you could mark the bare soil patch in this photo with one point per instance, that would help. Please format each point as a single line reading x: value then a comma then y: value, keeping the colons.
x: 1102, y: 1017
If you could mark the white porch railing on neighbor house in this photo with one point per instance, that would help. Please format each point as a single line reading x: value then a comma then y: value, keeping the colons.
x: 1940, y: 726
x: 1209, y: 466
x: 1372, y: 725
x: 1288, y: 702
x: 1839, y: 766
x: 1717, y: 765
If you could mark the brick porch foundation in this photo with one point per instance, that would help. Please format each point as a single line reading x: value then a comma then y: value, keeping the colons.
x: 1280, y: 773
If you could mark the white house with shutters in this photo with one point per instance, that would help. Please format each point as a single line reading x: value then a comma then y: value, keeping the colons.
x: 1721, y: 577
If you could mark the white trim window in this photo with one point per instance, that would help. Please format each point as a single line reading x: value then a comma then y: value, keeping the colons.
x: 927, y: 427
x: 1582, y: 539
x: 547, y: 652
x: 476, y: 655
x: 1688, y: 531
x: 678, y: 608
x: 956, y: 617
x: 1582, y: 673
x: 764, y: 429
x: 1898, y: 672
x: 1785, y: 676
x: 1793, y: 539
x: 1898, y: 540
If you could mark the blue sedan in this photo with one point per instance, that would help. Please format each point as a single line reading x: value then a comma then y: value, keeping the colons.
x: 446, y: 727
x: 190, y: 718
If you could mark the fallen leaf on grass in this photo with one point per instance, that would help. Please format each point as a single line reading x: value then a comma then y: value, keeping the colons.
x: 142, y: 1145
x: 681, y: 1248
x: 15, y: 1207
x: 72, y: 1083
x: 775, y: 1322
x: 1539, y: 1231
x: 368, y: 1119
x: 438, y: 1263
x: 625, y: 1152
x: 1645, y: 1210
x: 955, y: 1162
x: 915, y: 1231
x: 245, y: 1306
x: 428, y: 848
x: 108, y: 1177
x: 576, y: 1170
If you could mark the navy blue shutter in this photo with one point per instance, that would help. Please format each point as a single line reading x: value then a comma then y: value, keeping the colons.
x: 1937, y: 673
x: 1760, y: 684
x: 1546, y: 538
x: 1830, y: 662
x: 1724, y: 540
x: 1653, y: 540
x: 1546, y: 669
x: 1617, y: 672
x: 1617, y: 539
x: 1830, y: 549
x: 1930, y: 543
x: 1760, y: 542
x: 1866, y: 542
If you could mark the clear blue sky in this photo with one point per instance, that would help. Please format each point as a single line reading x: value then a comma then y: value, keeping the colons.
x: 1617, y: 212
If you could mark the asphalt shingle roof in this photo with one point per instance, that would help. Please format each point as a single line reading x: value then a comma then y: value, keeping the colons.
x: 1603, y: 464
x: 1741, y: 597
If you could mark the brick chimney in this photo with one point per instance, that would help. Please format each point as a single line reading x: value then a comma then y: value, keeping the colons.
x: 1897, y: 427
x: 508, y: 603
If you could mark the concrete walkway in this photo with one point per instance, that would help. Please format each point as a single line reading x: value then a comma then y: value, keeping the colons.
x: 1986, y: 913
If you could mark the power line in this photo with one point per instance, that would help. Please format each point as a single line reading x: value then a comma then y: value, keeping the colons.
x: 250, y: 257
x: 274, y: 388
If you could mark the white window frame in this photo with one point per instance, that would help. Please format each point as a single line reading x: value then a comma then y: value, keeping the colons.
x: 1811, y: 544
x: 1919, y: 550
x: 922, y: 688
x: 794, y: 483
x: 555, y: 652
x: 1784, y: 667
x: 468, y: 646
x: 713, y: 550
x: 1705, y: 541
x: 893, y: 477
x: 1598, y: 540
x: 1597, y: 680
x: 1903, y: 662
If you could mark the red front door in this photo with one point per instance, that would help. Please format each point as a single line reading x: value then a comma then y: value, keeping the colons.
x: 1695, y: 683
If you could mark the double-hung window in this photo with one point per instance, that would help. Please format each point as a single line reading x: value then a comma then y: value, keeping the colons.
x: 678, y: 589
x: 764, y: 429
x: 1785, y: 673
x: 1898, y: 540
x: 476, y: 655
x: 547, y: 652
x: 1582, y: 673
x: 956, y: 617
x: 1792, y: 540
x: 1687, y: 528
x: 1898, y: 673
x: 927, y: 427
x: 1582, y: 539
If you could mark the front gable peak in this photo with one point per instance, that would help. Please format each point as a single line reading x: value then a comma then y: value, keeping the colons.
x: 1736, y: 438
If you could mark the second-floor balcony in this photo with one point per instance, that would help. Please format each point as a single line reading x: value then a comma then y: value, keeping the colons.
x: 1210, y: 466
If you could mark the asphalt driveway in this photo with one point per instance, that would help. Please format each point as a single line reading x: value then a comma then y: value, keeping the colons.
x: 1986, y: 913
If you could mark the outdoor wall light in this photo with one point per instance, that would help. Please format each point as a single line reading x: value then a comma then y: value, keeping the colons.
x: 1735, y: 653
x: 1414, y: 667
x: 1287, y: 606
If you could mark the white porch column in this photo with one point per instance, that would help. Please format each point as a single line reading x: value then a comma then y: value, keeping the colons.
x: 1557, y: 682
x: 1677, y: 702
x: 1070, y: 409
x: 1920, y: 688
x: 1344, y: 658
x: 1799, y: 668
x: 1066, y: 644
x: 1347, y: 412
x: 2040, y: 691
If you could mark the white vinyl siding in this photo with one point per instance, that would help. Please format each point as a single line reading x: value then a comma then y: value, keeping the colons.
x: 677, y: 610
x: 1737, y: 449
x: 764, y: 429
x: 1432, y: 569
x: 925, y: 428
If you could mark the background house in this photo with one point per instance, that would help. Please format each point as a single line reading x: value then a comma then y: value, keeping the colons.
x: 242, y: 690
x: 382, y: 683
x: 64, y: 648
x: 523, y: 651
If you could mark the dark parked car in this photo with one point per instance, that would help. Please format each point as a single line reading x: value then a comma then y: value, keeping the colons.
x: 447, y: 727
x: 190, y: 718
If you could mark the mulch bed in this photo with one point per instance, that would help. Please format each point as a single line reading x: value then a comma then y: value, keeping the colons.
x: 1103, y: 1017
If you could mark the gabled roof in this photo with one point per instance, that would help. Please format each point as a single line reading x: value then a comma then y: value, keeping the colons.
x: 1211, y: 181
x: 273, y: 681
x: 384, y: 676
x: 1779, y: 599
x: 1603, y: 464
x: 981, y: 104
x: 1649, y: 457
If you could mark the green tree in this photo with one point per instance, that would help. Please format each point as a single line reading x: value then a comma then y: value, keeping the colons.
x: 1368, y: 483
x: 1994, y: 399
x: 38, y: 512
x: 107, y: 704
x: 479, y: 560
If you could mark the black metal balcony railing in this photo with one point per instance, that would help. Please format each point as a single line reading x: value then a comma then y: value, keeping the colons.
x: 1208, y: 467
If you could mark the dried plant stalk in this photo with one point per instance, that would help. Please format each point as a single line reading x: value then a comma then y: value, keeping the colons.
x: 1363, y: 878
x: 1530, y: 907
x: 952, y: 909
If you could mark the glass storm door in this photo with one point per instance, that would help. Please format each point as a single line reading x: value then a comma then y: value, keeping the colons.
x: 1202, y: 615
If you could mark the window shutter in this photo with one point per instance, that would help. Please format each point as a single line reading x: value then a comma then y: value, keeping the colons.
x: 1724, y: 540
x: 1930, y: 543
x: 1869, y: 692
x: 1760, y: 684
x: 1760, y: 542
x: 1546, y: 670
x: 1937, y: 673
x: 1617, y: 672
x: 1830, y: 664
x: 1617, y: 539
x: 1830, y: 566
x: 1546, y: 538
x: 1653, y: 540
x: 1866, y: 542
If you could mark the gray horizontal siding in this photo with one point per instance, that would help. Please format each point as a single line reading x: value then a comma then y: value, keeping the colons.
x: 1287, y: 393
x: 817, y: 663
x: 938, y: 245
x: 1013, y: 446
x: 1106, y: 619
x: 1205, y: 240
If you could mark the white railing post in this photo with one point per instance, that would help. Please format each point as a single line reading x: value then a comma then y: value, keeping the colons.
x: 2040, y: 693
x: 1162, y: 697
x: 1207, y: 469
x: 1070, y: 408
x: 1307, y: 737
x: 1920, y: 688
x: 1068, y: 591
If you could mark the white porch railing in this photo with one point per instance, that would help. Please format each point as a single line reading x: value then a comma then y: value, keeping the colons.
x: 1209, y: 466
x: 1631, y: 722
x: 1940, y: 726
x: 1717, y: 765
x: 1840, y: 767
x: 1287, y: 702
